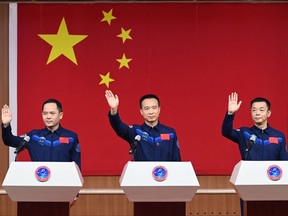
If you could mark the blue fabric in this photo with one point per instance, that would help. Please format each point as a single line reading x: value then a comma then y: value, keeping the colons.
x: 46, y: 146
x: 159, y: 143
x: 269, y: 145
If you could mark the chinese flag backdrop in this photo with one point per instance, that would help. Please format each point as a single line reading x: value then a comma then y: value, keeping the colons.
x: 192, y: 55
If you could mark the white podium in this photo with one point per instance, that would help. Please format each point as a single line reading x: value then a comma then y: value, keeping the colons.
x: 263, y: 185
x: 43, y: 186
x: 159, y: 188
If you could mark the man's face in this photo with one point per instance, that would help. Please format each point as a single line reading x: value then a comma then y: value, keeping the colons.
x: 260, y: 113
x: 150, y: 110
x: 51, y: 116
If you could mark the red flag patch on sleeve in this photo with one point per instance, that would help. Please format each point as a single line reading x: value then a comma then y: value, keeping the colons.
x: 273, y: 140
x: 165, y: 136
x: 64, y: 140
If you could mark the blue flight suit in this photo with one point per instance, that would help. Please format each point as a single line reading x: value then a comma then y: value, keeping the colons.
x: 269, y: 145
x: 62, y: 145
x: 159, y: 143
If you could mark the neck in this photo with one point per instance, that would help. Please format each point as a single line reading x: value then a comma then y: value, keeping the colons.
x: 262, y: 126
x: 151, y: 124
x: 53, y: 128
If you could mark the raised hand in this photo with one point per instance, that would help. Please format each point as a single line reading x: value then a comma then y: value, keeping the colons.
x: 6, y: 115
x: 233, y: 104
x: 112, y: 100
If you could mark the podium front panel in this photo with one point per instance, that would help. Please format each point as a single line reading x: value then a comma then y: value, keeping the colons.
x: 62, y: 185
x: 261, y: 180
x: 139, y: 185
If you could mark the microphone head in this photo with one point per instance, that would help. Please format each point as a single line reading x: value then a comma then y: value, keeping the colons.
x: 137, y: 138
x: 253, y: 137
x: 27, y: 138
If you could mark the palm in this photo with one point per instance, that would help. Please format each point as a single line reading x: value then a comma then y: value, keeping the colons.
x: 233, y: 104
x: 6, y: 115
x: 113, y: 102
x: 112, y: 99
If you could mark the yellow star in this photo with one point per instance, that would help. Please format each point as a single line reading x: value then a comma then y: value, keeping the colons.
x: 125, y: 35
x: 124, y: 61
x: 106, y: 79
x: 62, y: 43
x: 108, y: 16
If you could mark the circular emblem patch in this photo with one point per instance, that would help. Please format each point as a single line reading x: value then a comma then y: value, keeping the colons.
x: 42, y: 173
x: 274, y: 172
x: 159, y: 173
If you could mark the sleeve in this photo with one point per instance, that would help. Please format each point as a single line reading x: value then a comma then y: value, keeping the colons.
x: 227, y: 128
x: 121, y: 129
x: 176, y: 149
x: 76, y: 154
x: 283, y: 152
x: 8, y: 138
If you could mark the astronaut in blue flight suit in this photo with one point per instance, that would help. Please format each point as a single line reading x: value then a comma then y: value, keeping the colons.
x: 52, y: 143
x: 269, y: 144
x: 157, y: 142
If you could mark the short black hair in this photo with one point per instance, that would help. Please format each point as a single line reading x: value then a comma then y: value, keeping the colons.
x: 148, y: 96
x: 261, y: 99
x: 51, y: 100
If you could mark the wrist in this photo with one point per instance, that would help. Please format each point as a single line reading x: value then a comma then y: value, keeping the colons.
x: 113, y: 111
x: 5, y: 125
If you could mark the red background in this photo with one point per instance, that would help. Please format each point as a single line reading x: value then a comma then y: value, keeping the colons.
x: 192, y: 55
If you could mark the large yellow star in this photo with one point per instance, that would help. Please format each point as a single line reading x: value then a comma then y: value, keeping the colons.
x: 124, y: 61
x: 125, y: 35
x: 106, y: 79
x: 108, y: 16
x: 62, y: 43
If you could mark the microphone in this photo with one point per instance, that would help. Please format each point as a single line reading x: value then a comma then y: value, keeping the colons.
x: 134, y: 144
x: 251, y: 142
x: 22, y: 145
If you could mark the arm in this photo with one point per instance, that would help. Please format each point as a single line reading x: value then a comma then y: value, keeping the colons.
x: 227, y: 125
x: 176, y: 149
x: 122, y: 130
x: 283, y: 155
x: 8, y: 138
x: 76, y: 154
x: 6, y: 116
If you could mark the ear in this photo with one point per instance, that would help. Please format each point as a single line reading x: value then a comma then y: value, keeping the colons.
x: 61, y: 115
x: 141, y: 112
x: 269, y: 113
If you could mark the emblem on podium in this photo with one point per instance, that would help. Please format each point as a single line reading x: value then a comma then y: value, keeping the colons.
x: 159, y: 173
x: 274, y: 172
x: 42, y: 173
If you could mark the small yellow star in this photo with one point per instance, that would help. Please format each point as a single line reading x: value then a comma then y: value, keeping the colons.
x: 125, y: 35
x: 124, y: 61
x: 108, y: 16
x: 106, y: 79
x: 62, y: 43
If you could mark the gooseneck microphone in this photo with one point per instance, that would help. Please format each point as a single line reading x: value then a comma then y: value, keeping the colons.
x: 22, y: 145
x: 250, y: 144
x: 134, y: 144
